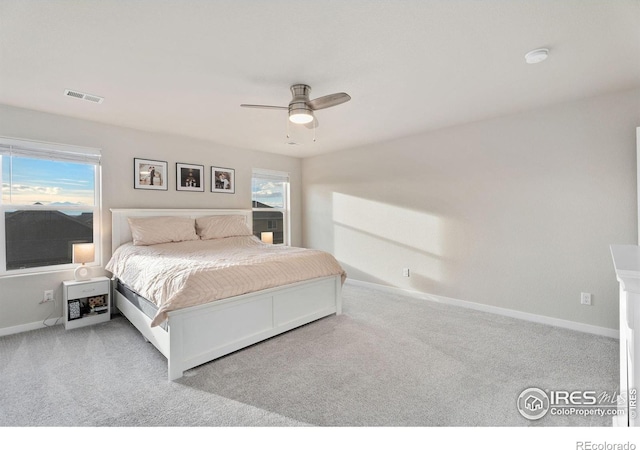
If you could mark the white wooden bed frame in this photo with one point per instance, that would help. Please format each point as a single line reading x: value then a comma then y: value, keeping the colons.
x: 199, y: 334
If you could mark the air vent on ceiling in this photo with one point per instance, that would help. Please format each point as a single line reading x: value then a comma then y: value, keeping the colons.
x: 83, y: 96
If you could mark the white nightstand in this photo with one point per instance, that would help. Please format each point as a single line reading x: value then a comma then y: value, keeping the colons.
x: 86, y: 302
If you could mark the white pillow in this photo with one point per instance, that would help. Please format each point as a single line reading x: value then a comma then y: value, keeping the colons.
x: 217, y: 227
x: 159, y: 230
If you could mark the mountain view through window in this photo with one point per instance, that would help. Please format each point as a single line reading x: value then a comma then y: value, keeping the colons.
x: 48, y: 206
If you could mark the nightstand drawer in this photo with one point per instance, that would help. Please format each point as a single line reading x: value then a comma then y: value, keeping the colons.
x: 88, y: 289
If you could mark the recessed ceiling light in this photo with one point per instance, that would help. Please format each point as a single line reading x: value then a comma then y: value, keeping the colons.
x: 536, y: 56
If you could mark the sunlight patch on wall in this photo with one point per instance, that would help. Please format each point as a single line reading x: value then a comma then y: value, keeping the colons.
x: 383, y: 259
x: 380, y: 240
x: 411, y: 228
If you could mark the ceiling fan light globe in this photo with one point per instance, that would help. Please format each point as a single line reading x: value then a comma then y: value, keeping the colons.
x: 300, y: 118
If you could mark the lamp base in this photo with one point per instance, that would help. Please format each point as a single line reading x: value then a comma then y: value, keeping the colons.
x: 81, y: 273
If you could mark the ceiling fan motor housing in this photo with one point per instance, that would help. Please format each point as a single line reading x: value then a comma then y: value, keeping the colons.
x: 299, y: 110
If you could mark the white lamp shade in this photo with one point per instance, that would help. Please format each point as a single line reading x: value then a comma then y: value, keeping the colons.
x: 83, y: 253
x: 267, y: 236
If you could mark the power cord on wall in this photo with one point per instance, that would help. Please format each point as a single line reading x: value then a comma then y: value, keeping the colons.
x: 55, y: 307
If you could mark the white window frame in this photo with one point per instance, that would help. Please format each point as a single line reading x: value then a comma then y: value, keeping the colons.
x: 286, y: 211
x: 54, y: 152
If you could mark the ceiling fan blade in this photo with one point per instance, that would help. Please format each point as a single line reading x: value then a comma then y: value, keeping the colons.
x: 264, y: 106
x: 329, y: 100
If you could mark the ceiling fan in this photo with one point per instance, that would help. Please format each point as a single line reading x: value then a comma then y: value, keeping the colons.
x: 301, y: 108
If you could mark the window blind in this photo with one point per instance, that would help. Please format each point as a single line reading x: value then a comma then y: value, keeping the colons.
x: 271, y: 176
x: 53, y: 152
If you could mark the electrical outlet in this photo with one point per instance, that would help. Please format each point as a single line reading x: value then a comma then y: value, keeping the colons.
x: 585, y: 298
x: 47, y: 296
x: 405, y: 272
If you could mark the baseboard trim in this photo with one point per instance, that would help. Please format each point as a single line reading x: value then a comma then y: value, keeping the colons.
x: 53, y: 321
x: 545, y: 320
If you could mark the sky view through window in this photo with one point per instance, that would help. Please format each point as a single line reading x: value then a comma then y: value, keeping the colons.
x: 268, y: 192
x: 28, y: 181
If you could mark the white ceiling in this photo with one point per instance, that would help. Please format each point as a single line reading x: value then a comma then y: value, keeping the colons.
x: 184, y: 67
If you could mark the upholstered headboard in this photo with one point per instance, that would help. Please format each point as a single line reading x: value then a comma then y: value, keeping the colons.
x: 121, y: 233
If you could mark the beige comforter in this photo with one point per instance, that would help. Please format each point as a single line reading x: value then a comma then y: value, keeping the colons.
x: 182, y: 274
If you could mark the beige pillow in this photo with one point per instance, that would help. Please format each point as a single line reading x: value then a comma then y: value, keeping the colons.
x: 217, y: 227
x: 159, y: 230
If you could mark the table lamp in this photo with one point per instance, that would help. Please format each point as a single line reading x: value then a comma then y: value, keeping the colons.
x: 83, y: 253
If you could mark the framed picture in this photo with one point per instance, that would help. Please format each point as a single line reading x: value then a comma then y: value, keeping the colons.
x: 189, y: 177
x: 74, y: 310
x: 149, y: 174
x: 223, y: 180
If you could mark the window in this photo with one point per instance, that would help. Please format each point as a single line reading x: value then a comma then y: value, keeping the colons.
x: 270, y: 198
x: 50, y: 201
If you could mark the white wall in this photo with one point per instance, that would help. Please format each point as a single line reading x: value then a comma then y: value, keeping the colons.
x: 516, y: 212
x: 19, y: 295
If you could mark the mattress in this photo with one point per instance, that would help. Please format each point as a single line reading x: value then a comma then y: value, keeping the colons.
x: 147, y: 307
x: 182, y: 274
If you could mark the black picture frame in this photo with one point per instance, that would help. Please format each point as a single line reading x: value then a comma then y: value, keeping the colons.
x: 150, y: 174
x: 189, y: 177
x: 223, y: 180
x: 74, y: 308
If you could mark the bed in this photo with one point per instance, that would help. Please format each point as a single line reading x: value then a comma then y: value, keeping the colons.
x: 191, y: 328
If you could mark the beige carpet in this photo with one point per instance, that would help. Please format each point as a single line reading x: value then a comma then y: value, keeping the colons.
x: 387, y: 361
